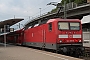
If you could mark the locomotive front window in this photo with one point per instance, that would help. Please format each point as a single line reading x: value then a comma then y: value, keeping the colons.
x: 74, y: 26
x: 68, y: 25
x: 63, y: 26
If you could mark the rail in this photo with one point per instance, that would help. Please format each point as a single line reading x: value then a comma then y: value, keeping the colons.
x: 87, y: 53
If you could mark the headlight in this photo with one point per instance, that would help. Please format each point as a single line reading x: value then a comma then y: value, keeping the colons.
x: 80, y: 40
x: 60, y: 41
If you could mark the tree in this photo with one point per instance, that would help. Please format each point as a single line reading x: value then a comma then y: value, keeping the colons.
x: 80, y: 1
x: 68, y: 1
x: 76, y: 1
x: 54, y: 10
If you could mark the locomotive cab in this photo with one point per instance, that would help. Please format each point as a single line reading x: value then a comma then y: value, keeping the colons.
x: 69, y: 35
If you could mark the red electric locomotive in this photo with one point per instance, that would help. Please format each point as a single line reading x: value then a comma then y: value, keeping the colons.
x: 63, y: 35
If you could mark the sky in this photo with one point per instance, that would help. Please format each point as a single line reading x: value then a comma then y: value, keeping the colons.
x: 24, y: 8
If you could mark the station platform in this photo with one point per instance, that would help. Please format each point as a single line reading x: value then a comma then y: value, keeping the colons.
x: 11, y: 52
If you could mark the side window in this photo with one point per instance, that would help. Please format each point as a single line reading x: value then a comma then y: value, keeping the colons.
x: 50, y: 26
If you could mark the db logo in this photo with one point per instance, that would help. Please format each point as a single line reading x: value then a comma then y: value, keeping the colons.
x: 70, y: 36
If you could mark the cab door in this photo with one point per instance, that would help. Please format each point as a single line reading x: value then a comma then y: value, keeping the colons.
x: 44, y: 38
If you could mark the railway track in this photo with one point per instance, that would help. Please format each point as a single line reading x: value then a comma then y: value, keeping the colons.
x: 87, y: 53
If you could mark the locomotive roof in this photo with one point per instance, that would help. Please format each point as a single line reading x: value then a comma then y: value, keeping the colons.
x: 10, y: 22
x: 58, y: 19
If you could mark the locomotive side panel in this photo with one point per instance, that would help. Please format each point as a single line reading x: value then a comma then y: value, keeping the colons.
x: 41, y: 36
x: 34, y: 36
